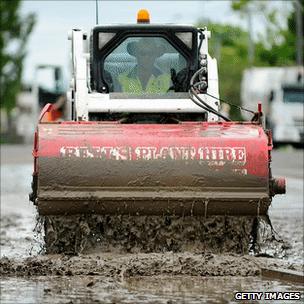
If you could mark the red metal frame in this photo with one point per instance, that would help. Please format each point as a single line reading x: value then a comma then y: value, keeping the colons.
x: 228, y: 136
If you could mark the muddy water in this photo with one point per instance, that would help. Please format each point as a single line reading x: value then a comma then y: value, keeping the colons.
x: 18, y: 216
x: 164, y: 289
x: 27, y: 276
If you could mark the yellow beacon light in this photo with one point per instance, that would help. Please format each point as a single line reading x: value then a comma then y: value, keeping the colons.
x: 143, y: 16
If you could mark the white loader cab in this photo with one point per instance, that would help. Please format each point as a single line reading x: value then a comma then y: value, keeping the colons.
x: 102, y: 59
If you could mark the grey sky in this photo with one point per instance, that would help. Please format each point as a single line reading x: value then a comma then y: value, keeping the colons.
x: 49, y: 45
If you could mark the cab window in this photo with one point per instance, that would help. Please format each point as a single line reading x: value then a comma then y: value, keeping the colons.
x: 143, y: 65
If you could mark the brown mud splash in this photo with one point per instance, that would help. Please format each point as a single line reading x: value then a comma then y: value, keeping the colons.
x: 129, y: 265
x: 77, y: 234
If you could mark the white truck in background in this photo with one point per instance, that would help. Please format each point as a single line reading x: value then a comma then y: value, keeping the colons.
x: 281, y: 92
x: 48, y: 85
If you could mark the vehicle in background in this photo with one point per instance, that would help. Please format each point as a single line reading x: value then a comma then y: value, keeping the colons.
x: 48, y: 86
x: 281, y: 92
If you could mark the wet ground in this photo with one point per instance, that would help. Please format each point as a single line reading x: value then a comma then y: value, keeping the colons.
x: 164, y: 289
x: 28, y: 276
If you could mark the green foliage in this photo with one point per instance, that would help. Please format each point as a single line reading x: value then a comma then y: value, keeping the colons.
x: 239, y: 4
x: 282, y: 50
x: 229, y: 45
x: 14, y: 34
x: 278, y: 46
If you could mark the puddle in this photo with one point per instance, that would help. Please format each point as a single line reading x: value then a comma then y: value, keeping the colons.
x: 164, y: 289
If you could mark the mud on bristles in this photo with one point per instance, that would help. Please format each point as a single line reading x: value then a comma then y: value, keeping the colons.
x: 75, y: 234
x: 266, y: 241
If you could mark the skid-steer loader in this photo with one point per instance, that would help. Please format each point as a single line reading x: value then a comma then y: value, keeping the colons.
x: 149, y: 163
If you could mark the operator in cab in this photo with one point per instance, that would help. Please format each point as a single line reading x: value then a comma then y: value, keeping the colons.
x: 145, y: 77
